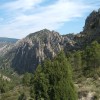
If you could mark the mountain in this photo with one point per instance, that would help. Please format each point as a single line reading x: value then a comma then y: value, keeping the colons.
x: 8, y: 40
x: 5, y: 44
x: 92, y: 27
x: 91, y: 31
x: 26, y: 54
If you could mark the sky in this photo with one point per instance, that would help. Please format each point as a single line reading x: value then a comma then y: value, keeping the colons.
x: 18, y: 18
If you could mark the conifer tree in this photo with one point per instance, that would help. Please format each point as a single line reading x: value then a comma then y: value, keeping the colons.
x: 53, y: 80
x: 91, y: 58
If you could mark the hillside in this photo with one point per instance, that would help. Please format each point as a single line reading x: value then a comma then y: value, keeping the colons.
x: 6, y: 44
x: 81, y: 55
x: 91, y: 30
x: 8, y: 40
x: 27, y: 53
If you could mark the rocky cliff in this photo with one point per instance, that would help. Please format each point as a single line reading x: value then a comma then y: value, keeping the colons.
x: 6, y: 44
x: 27, y: 53
x: 91, y: 31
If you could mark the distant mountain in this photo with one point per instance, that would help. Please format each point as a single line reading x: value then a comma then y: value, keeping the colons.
x: 8, y: 40
x: 26, y: 54
x: 5, y: 44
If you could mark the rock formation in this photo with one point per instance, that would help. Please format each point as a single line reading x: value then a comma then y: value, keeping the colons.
x: 27, y: 53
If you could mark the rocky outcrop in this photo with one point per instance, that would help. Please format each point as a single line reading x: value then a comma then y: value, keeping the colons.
x: 5, y: 78
x: 27, y: 53
x: 6, y: 44
x: 90, y: 33
x: 91, y: 29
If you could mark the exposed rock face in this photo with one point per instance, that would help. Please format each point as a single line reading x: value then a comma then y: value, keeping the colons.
x: 27, y: 53
x: 5, y: 78
x: 6, y: 44
x: 4, y: 47
x: 69, y: 41
x: 87, y: 96
x: 92, y: 21
x: 91, y: 30
x: 90, y: 33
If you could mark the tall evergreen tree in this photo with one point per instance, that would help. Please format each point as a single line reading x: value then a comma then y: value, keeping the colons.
x: 77, y: 64
x: 53, y: 81
x: 91, y: 58
x: 77, y: 60
x: 40, y: 85
x: 92, y: 55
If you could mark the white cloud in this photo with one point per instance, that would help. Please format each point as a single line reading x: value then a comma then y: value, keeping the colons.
x: 52, y: 16
x: 21, y: 5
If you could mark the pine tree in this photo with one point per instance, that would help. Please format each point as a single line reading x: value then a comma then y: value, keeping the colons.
x: 77, y: 64
x: 40, y: 85
x: 53, y: 80
x: 91, y: 59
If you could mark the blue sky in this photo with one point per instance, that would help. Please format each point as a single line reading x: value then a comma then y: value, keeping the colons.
x: 18, y: 18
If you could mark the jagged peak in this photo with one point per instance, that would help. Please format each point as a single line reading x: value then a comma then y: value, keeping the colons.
x: 45, y: 33
x: 42, y: 35
x: 92, y: 21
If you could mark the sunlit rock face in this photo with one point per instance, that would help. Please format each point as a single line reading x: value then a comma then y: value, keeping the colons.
x: 6, y: 44
x: 91, y: 29
x: 27, y: 53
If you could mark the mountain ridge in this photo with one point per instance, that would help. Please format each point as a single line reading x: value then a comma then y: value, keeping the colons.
x: 6, y: 44
x: 10, y: 40
x: 27, y: 53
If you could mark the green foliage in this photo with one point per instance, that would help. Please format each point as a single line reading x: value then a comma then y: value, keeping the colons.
x: 77, y: 60
x: 5, y: 85
x: 53, y: 80
x: 91, y: 59
x: 22, y: 97
x: 39, y: 84
x: 26, y: 79
x: 77, y: 64
x: 86, y: 63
